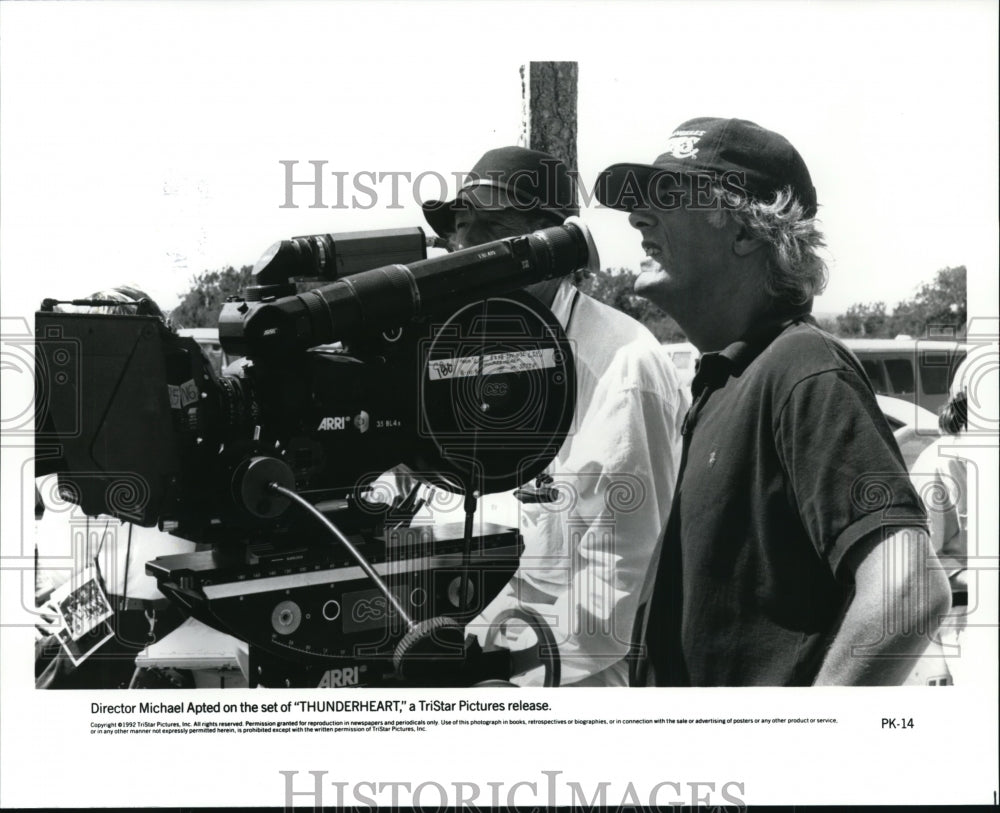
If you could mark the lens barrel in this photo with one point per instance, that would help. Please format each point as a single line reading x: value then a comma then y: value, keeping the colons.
x: 394, y: 295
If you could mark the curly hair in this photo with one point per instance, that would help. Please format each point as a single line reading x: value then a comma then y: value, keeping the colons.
x: 954, y: 417
x: 797, y: 273
x: 128, y: 295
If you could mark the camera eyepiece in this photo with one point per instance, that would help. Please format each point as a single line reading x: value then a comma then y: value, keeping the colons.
x: 334, y: 256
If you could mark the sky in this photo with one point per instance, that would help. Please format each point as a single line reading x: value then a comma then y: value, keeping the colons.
x: 142, y: 142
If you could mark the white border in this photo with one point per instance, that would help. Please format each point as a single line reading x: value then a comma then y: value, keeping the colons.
x: 123, y: 88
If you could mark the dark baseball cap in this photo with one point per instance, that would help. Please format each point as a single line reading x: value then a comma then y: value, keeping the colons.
x: 510, y: 177
x: 739, y: 154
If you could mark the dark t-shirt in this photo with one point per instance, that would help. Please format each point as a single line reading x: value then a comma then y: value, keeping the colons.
x: 789, y: 462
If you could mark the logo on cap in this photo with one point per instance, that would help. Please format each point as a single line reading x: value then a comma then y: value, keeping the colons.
x: 682, y: 143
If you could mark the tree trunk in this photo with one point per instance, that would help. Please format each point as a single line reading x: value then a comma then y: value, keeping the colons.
x: 548, y: 91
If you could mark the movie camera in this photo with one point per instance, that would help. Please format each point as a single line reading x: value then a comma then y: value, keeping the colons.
x: 442, y: 365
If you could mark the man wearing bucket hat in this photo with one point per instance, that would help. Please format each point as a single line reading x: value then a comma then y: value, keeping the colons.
x: 794, y: 533
x: 510, y: 191
x: 591, y: 522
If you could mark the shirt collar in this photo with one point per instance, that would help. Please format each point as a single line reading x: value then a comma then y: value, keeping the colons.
x: 714, y: 368
x: 562, y: 302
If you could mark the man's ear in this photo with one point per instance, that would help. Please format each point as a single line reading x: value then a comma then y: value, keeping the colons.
x: 744, y: 244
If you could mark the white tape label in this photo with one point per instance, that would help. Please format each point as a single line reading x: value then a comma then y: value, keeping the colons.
x: 493, y: 364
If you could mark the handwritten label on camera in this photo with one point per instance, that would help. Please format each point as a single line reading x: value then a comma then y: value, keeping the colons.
x: 492, y: 364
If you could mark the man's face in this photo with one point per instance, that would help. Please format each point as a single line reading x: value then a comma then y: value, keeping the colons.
x: 475, y: 225
x: 692, y: 258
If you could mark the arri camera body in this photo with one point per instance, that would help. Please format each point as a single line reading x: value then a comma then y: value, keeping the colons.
x: 441, y: 365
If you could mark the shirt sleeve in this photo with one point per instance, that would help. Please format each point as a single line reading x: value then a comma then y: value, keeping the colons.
x: 845, y: 472
x: 587, y: 554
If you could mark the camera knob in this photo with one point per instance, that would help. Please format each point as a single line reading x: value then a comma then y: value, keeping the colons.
x: 428, y: 645
x: 251, y: 483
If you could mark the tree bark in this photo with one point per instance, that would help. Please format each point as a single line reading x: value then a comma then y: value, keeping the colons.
x: 549, y: 108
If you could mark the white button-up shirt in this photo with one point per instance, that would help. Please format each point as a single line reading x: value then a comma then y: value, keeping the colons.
x: 586, y: 554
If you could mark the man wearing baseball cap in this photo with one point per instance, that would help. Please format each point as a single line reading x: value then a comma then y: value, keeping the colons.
x: 796, y: 551
x: 591, y: 522
x: 509, y: 191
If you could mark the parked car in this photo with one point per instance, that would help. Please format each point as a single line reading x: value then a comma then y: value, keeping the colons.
x: 916, y: 370
x: 909, y: 424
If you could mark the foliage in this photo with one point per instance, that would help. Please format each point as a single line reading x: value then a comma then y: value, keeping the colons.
x: 615, y: 288
x: 863, y: 320
x: 827, y: 324
x: 938, y: 306
x: 200, y: 306
x: 939, y: 309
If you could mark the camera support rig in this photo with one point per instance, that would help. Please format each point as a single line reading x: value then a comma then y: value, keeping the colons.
x: 442, y: 365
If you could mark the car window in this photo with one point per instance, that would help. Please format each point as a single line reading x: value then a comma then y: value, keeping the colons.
x: 934, y: 380
x: 900, y: 375
x: 935, y: 370
x: 873, y: 369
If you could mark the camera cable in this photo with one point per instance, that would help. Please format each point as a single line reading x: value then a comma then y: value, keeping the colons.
x: 425, y: 642
x: 365, y: 565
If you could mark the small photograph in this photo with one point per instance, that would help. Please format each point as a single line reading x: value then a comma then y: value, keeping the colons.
x: 83, y: 610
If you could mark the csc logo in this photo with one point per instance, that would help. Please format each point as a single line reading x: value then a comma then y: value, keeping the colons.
x: 373, y: 609
x: 495, y: 388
